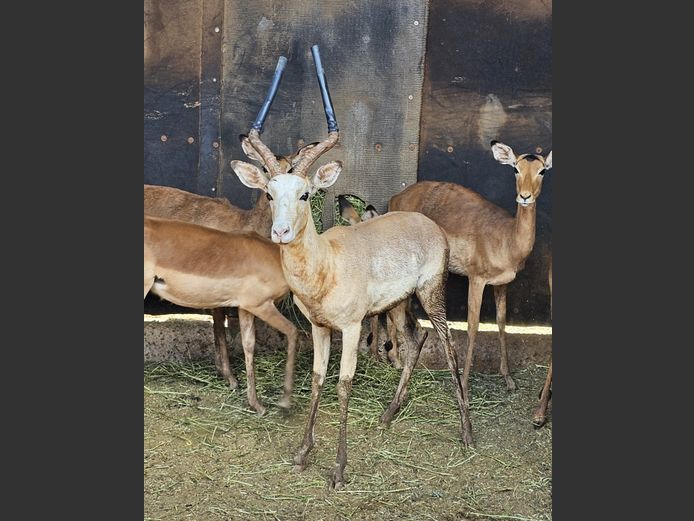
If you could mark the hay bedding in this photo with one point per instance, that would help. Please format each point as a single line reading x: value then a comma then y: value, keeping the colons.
x: 207, y: 456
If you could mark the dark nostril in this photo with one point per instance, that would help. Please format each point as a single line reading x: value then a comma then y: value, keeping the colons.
x: 525, y: 197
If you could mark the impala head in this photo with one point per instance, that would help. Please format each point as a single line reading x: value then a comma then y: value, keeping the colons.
x: 288, y: 186
x: 530, y: 170
x: 350, y: 214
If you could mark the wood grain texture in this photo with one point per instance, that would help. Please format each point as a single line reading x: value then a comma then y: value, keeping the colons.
x: 373, y: 55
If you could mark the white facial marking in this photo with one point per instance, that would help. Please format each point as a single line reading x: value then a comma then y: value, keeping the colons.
x: 287, y: 207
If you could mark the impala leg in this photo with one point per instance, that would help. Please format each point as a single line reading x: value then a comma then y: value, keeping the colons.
x: 348, y: 365
x: 221, y: 354
x: 474, y: 303
x: 399, y: 319
x: 272, y: 316
x: 433, y: 299
x: 248, y: 341
x: 149, y: 272
x: 500, y: 299
x: 541, y: 411
x: 391, y: 344
x: 372, y: 340
x: 539, y: 416
x: 321, y: 354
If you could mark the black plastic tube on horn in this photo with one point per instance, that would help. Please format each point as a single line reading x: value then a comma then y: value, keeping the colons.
x: 327, y: 102
x: 262, y: 114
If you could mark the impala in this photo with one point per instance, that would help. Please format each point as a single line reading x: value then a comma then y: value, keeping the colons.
x: 488, y: 244
x: 218, y: 213
x: 338, y: 279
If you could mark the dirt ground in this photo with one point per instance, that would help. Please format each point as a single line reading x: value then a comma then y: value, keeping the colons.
x: 207, y: 456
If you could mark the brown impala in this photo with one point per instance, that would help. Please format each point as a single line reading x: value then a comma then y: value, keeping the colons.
x: 218, y: 213
x: 488, y: 245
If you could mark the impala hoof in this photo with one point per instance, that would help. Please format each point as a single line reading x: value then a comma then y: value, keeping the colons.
x: 233, y: 383
x: 285, y: 403
x: 337, y: 481
x: 510, y: 384
x: 258, y: 408
x: 467, y: 437
x: 539, y: 420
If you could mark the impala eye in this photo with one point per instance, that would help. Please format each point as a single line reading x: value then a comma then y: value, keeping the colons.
x: 304, y: 197
x: 269, y: 197
x: 541, y: 172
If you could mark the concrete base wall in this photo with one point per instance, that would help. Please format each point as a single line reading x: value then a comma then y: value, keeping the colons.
x: 174, y: 339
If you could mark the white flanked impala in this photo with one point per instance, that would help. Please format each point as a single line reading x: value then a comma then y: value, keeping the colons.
x: 337, y: 279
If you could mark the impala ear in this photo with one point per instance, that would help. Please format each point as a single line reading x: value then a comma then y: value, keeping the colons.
x: 503, y: 153
x: 369, y: 213
x: 326, y: 176
x: 548, y: 161
x: 248, y: 148
x: 250, y: 175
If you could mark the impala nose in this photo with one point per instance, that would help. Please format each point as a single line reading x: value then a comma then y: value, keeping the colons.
x: 280, y: 232
x: 525, y: 197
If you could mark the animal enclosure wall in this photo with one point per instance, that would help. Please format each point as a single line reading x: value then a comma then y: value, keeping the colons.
x: 419, y: 88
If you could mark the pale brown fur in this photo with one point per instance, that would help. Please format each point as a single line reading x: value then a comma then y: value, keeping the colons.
x: 218, y: 213
x: 350, y: 214
x: 202, y: 268
x: 338, y: 279
x: 488, y: 244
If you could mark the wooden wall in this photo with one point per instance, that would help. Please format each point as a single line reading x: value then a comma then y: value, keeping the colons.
x: 419, y: 87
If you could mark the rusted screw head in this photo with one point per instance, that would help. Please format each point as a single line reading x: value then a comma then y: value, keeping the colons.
x: 538, y: 150
x: 412, y: 146
x: 378, y: 147
x: 450, y: 149
x: 164, y: 138
x: 215, y: 144
x: 190, y: 140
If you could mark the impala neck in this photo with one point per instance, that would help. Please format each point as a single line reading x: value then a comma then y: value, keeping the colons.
x: 524, y: 230
x: 303, y: 259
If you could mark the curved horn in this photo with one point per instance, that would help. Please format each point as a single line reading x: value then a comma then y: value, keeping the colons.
x: 325, y: 93
x: 257, y: 127
x: 262, y: 114
x: 333, y: 132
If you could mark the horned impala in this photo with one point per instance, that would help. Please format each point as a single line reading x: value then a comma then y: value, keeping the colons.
x: 488, y: 245
x: 337, y: 279
x: 350, y: 214
x: 218, y: 213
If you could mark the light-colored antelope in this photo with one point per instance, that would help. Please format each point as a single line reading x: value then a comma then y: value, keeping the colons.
x: 337, y: 278
x: 218, y: 213
x: 350, y: 214
x: 488, y: 244
x: 203, y: 268
x: 539, y: 416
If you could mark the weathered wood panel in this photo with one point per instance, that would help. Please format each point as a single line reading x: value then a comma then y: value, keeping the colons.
x: 489, y: 76
x: 172, y: 42
x: 373, y: 54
